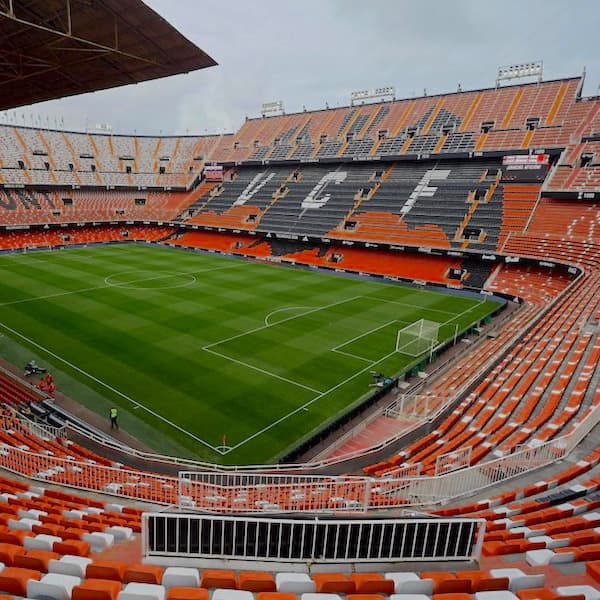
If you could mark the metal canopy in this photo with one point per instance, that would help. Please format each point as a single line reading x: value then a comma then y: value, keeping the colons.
x: 55, y: 48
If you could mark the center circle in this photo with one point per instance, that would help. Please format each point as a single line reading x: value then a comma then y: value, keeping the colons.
x: 150, y: 280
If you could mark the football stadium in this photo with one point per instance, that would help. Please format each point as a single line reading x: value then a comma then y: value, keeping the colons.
x: 350, y: 353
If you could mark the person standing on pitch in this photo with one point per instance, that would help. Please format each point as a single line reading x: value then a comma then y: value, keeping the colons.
x: 113, y: 419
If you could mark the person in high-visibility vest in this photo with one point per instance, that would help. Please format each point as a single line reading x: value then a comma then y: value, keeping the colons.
x: 113, y: 419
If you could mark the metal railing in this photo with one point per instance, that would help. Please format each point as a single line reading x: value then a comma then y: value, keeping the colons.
x: 254, y: 492
x: 419, y: 407
x: 89, y: 475
x: 309, y: 541
x: 435, y: 490
x: 297, y: 493
x: 278, y: 493
x: 454, y: 460
x: 407, y: 471
x: 42, y: 430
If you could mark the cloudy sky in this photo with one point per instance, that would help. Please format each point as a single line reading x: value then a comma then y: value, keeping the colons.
x: 314, y: 51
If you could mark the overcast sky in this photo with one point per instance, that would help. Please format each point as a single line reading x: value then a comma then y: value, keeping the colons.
x: 308, y: 52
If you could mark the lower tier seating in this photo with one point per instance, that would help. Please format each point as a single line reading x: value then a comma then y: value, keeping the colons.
x: 423, y: 267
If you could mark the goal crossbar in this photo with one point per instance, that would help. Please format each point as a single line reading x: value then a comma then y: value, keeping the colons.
x: 417, y: 338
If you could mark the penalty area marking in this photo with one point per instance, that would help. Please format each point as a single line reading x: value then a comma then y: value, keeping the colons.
x: 337, y: 350
x: 209, y: 347
x: 263, y: 371
x: 308, y: 312
x: 304, y: 407
x: 274, y: 312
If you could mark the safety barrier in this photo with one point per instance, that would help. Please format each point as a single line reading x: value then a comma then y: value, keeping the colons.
x: 273, y: 493
x: 276, y: 493
x: 226, y: 492
x: 309, y: 541
x: 42, y: 430
x: 89, y: 475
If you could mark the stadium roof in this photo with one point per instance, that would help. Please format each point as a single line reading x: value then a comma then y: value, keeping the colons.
x: 55, y: 48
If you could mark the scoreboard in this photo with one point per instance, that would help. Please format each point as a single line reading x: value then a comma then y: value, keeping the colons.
x: 525, y: 168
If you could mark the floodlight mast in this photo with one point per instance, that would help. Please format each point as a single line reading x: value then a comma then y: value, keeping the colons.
x: 272, y: 109
x: 381, y: 93
x: 520, y: 71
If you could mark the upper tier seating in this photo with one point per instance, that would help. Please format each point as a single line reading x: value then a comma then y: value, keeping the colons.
x: 436, y: 124
x: 47, y: 157
x: 448, y: 123
x: 29, y: 207
x: 518, y: 204
x: 572, y: 218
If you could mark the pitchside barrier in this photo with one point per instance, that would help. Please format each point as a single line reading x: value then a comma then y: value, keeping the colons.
x: 272, y: 493
x: 268, y: 493
x: 203, y: 540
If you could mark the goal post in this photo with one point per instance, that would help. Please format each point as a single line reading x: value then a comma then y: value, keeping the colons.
x: 417, y: 338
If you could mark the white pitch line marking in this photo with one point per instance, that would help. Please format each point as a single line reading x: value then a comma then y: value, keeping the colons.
x: 109, y: 286
x: 464, y: 312
x: 274, y: 312
x: 191, y: 280
x: 373, y: 330
x: 255, y: 368
x: 422, y: 308
x: 107, y: 386
x: 365, y: 334
x: 260, y: 328
x: 352, y: 355
x: 304, y: 407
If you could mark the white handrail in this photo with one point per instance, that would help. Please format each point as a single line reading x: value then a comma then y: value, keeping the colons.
x: 256, y: 492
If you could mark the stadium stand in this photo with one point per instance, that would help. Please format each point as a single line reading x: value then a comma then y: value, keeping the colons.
x: 55, y: 158
x: 431, y: 125
x: 520, y: 400
x: 430, y: 268
x: 424, y: 126
x: 31, y: 207
x: 68, y: 236
x: 397, y: 204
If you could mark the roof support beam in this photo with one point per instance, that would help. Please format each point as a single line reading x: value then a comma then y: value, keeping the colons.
x: 68, y: 35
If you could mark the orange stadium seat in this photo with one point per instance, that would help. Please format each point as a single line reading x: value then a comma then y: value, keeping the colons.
x: 187, y: 593
x: 531, y: 381
x: 96, y: 589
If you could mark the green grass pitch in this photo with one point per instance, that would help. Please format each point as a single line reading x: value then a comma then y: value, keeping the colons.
x: 193, y: 346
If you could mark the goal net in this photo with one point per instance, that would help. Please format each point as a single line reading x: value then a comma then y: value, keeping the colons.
x: 418, y: 338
